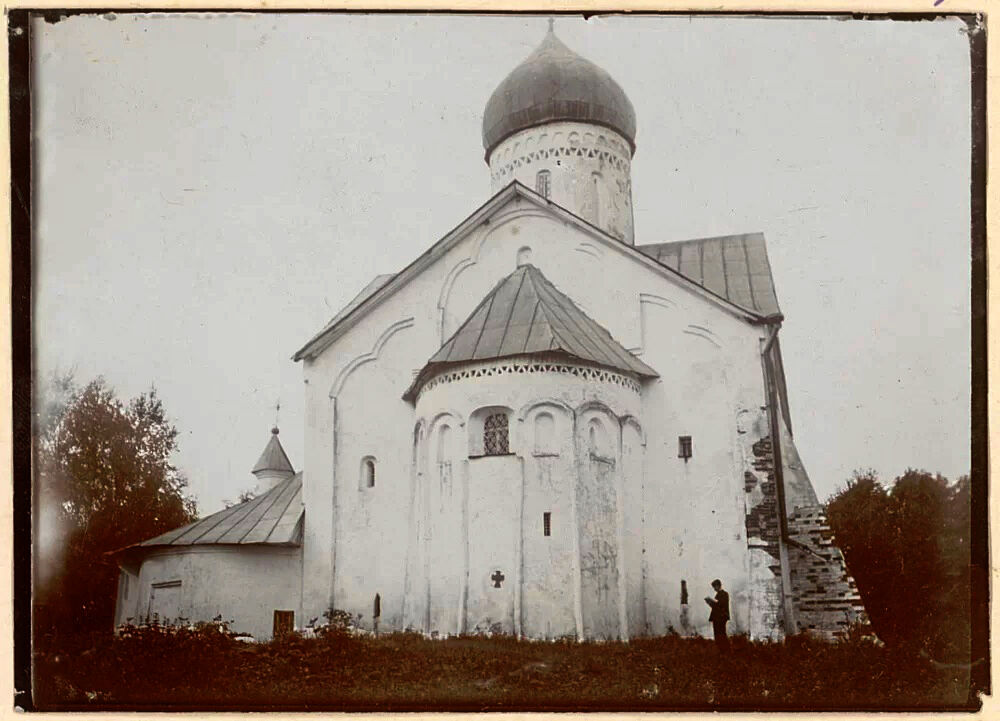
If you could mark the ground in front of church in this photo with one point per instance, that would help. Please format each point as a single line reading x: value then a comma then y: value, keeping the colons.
x: 199, y: 670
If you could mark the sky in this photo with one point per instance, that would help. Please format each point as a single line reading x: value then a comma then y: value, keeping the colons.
x: 210, y: 189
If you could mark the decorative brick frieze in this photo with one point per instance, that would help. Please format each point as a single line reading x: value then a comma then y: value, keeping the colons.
x: 612, y: 159
x: 499, y: 368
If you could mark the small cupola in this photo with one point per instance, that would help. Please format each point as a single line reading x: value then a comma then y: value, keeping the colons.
x: 273, y: 466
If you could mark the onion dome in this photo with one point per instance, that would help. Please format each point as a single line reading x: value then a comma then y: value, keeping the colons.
x: 552, y: 84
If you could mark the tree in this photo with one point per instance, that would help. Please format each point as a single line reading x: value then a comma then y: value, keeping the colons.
x: 246, y: 495
x: 104, y: 481
x: 907, y: 547
x: 857, y: 516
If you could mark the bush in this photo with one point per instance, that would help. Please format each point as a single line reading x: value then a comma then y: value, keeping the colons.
x: 907, y: 546
x: 208, y: 667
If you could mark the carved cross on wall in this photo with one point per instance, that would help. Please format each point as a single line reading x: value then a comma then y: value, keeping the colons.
x: 497, y: 579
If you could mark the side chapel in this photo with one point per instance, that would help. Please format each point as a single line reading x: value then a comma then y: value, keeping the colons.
x: 538, y: 427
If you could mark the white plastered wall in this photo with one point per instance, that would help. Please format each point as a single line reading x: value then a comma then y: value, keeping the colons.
x: 710, y: 375
x: 500, y: 501
x: 242, y: 584
x: 589, y: 167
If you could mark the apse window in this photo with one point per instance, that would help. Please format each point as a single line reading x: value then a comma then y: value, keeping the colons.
x: 547, y: 523
x: 543, y: 183
x: 367, y: 472
x: 684, y: 447
x: 496, y: 438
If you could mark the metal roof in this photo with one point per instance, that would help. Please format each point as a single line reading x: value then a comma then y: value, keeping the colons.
x: 384, y: 286
x: 523, y: 315
x: 734, y: 267
x: 554, y: 83
x: 272, y: 518
x: 274, y: 457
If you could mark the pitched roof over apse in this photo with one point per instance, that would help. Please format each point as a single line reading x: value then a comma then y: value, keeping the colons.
x: 274, y: 457
x: 523, y: 315
x: 734, y: 267
x: 272, y: 518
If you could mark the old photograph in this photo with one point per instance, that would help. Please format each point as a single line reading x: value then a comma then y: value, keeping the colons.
x: 393, y: 361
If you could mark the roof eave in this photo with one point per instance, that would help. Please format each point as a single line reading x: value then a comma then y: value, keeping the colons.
x: 137, y: 551
x: 326, y: 337
x: 774, y: 319
x: 432, y: 369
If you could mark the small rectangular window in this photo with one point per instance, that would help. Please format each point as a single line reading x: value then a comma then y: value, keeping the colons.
x: 684, y: 447
x: 543, y: 183
x: 547, y: 523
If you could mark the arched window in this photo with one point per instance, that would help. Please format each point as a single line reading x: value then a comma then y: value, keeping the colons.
x: 596, y: 197
x: 598, y: 439
x: 422, y: 452
x: 444, y: 454
x: 544, y: 433
x: 367, y: 472
x: 496, y: 437
x: 543, y: 183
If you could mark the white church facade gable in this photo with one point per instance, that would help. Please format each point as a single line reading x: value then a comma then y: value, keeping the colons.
x: 709, y: 363
x: 538, y: 427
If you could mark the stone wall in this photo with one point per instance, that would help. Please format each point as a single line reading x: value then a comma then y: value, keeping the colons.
x: 825, y: 596
x: 763, y: 539
x: 762, y: 506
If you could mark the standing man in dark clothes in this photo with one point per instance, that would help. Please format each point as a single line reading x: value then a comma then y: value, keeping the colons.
x: 720, y: 615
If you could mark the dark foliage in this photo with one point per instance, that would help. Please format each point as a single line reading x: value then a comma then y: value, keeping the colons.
x: 907, y: 546
x: 245, y: 495
x: 104, y: 481
x: 208, y: 668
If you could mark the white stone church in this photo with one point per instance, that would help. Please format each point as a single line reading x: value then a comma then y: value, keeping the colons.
x: 538, y: 427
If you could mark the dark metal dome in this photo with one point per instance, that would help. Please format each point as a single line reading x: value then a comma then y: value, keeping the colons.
x: 554, y: 83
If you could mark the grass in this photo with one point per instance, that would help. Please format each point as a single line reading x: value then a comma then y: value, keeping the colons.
x: 209, y: 670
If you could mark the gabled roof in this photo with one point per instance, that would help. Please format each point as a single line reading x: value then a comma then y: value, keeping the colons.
x: 272, y: 518
x: 373, y: 285
x: 734, y: 267
x: 274, y: 457
x: 526, y: 315
x: 357, y: 309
